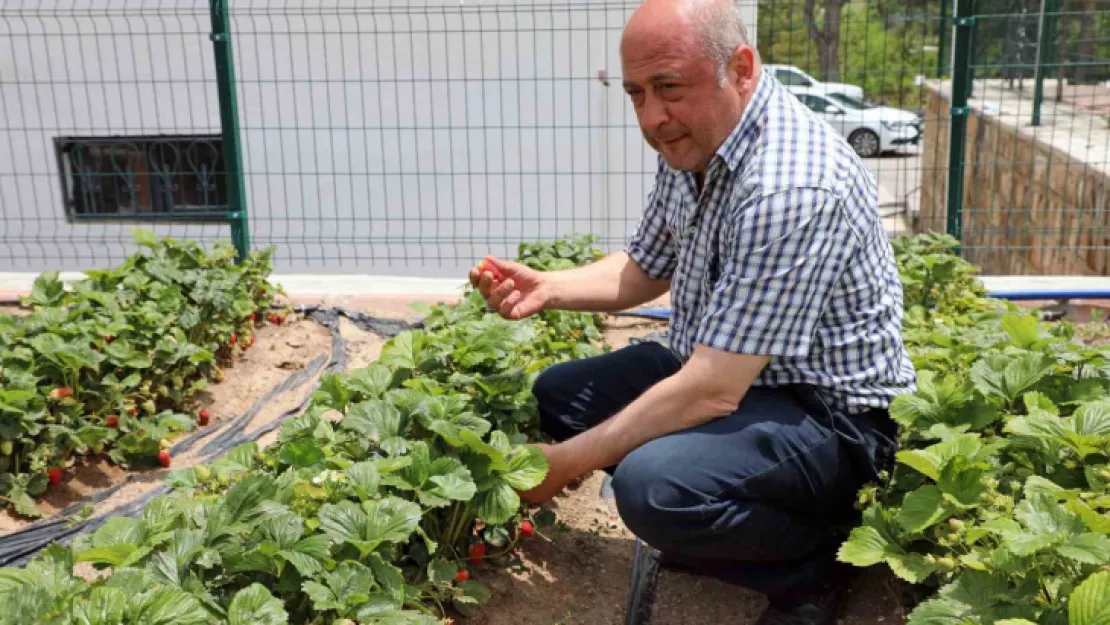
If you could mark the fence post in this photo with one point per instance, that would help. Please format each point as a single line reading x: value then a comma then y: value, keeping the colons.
x: 1046, y: 35
x: 957, y: 128
x: 229, y: 126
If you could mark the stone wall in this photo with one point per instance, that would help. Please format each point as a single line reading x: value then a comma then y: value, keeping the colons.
x: 1036, y: 200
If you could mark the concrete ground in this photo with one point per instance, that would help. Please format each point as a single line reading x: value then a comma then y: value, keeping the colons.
x: 899, y: 177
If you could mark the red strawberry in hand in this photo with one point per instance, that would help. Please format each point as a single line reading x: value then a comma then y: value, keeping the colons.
x: 485, y: 266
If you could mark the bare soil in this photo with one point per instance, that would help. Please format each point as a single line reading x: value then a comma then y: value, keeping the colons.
x: 578, y: 573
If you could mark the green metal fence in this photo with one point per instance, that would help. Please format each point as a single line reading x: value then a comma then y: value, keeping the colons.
x: 1028, y: 137
x: 406, y: 138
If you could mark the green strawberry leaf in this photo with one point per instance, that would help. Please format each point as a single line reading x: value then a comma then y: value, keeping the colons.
x: 1088, y: 548
x: 921, y: 509
x: 106, y: 606
x: 375, y: 419
x: 370, y: 382
x: 527, y: 469
x: 255, y: 605
x: 442, y: 571
x: 391, y: 519
x: 1089, y: 603
x: 364, y: 479
x: 497, y: 505
x: 167, y: 605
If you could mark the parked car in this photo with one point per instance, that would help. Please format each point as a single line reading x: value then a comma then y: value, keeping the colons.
x: 869, y: 128
x: 796, y: 80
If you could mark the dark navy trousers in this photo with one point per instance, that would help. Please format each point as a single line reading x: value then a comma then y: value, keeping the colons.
x: 761, y: 497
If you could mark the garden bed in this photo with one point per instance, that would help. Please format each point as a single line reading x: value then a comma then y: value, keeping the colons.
x: 390, y: 495
x: 277, y: 352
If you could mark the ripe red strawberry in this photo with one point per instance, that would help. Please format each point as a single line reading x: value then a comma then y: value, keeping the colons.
x: 251, y: 317
x: 54, y: 475
x: 112, y: 421
x: 108, y: 338
x: 61, y: 392
x: 232, y: 340
x: 203, y: 416
x: 527, y: 529
x: 273, y: 319
x: 485, y: 265
x: 477, y: 553
x: 164, y: 457
x: 462, y: 575
x: 133, y: 411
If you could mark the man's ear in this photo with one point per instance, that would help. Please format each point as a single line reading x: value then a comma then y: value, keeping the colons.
x: 741, y: 67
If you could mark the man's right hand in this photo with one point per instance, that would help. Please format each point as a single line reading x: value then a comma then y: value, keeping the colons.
x: 514, y: 290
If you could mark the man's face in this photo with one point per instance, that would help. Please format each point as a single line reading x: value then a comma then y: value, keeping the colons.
x: 684, y: 111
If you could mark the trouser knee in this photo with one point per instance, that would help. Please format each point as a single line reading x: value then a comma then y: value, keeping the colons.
x: 658, y: 506
x: 653, y: 506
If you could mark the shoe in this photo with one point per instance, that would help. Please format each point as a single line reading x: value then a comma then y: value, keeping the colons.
x: 818, y: 608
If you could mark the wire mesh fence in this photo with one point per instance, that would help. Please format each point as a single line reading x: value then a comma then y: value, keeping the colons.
x: 411, y: 139
x: 1037, y: 139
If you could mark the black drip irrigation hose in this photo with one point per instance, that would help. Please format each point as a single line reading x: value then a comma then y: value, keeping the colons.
x: 18, y: 548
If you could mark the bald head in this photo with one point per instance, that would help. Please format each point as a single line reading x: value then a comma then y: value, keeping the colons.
x: 690, y: 72
x: 713, y: 27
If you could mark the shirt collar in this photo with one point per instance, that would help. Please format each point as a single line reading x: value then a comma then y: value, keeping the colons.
x: 736, y: 145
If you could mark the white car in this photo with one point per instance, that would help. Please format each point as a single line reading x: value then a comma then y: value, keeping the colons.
x: 869, y: 128
x: 795, y: 80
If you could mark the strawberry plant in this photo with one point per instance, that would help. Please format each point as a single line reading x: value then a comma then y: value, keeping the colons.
x: 112, y: 364
x: 384, y: 502
x: 999, y: 499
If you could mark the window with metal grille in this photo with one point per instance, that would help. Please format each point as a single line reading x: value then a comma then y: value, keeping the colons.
x: 143, y: 178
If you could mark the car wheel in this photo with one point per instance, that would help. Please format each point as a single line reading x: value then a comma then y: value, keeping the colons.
x: 865, y: 143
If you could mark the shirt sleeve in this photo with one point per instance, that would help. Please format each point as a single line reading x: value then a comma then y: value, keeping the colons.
x: 784, y: 253
x: 651, y: 245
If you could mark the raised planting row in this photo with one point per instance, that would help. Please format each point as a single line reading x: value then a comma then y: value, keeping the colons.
x: 112, y: 365
x: 999, y: 498
x: 381, y: 504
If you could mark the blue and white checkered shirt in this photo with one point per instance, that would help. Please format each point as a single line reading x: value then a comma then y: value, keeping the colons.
x: 784, y: 255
